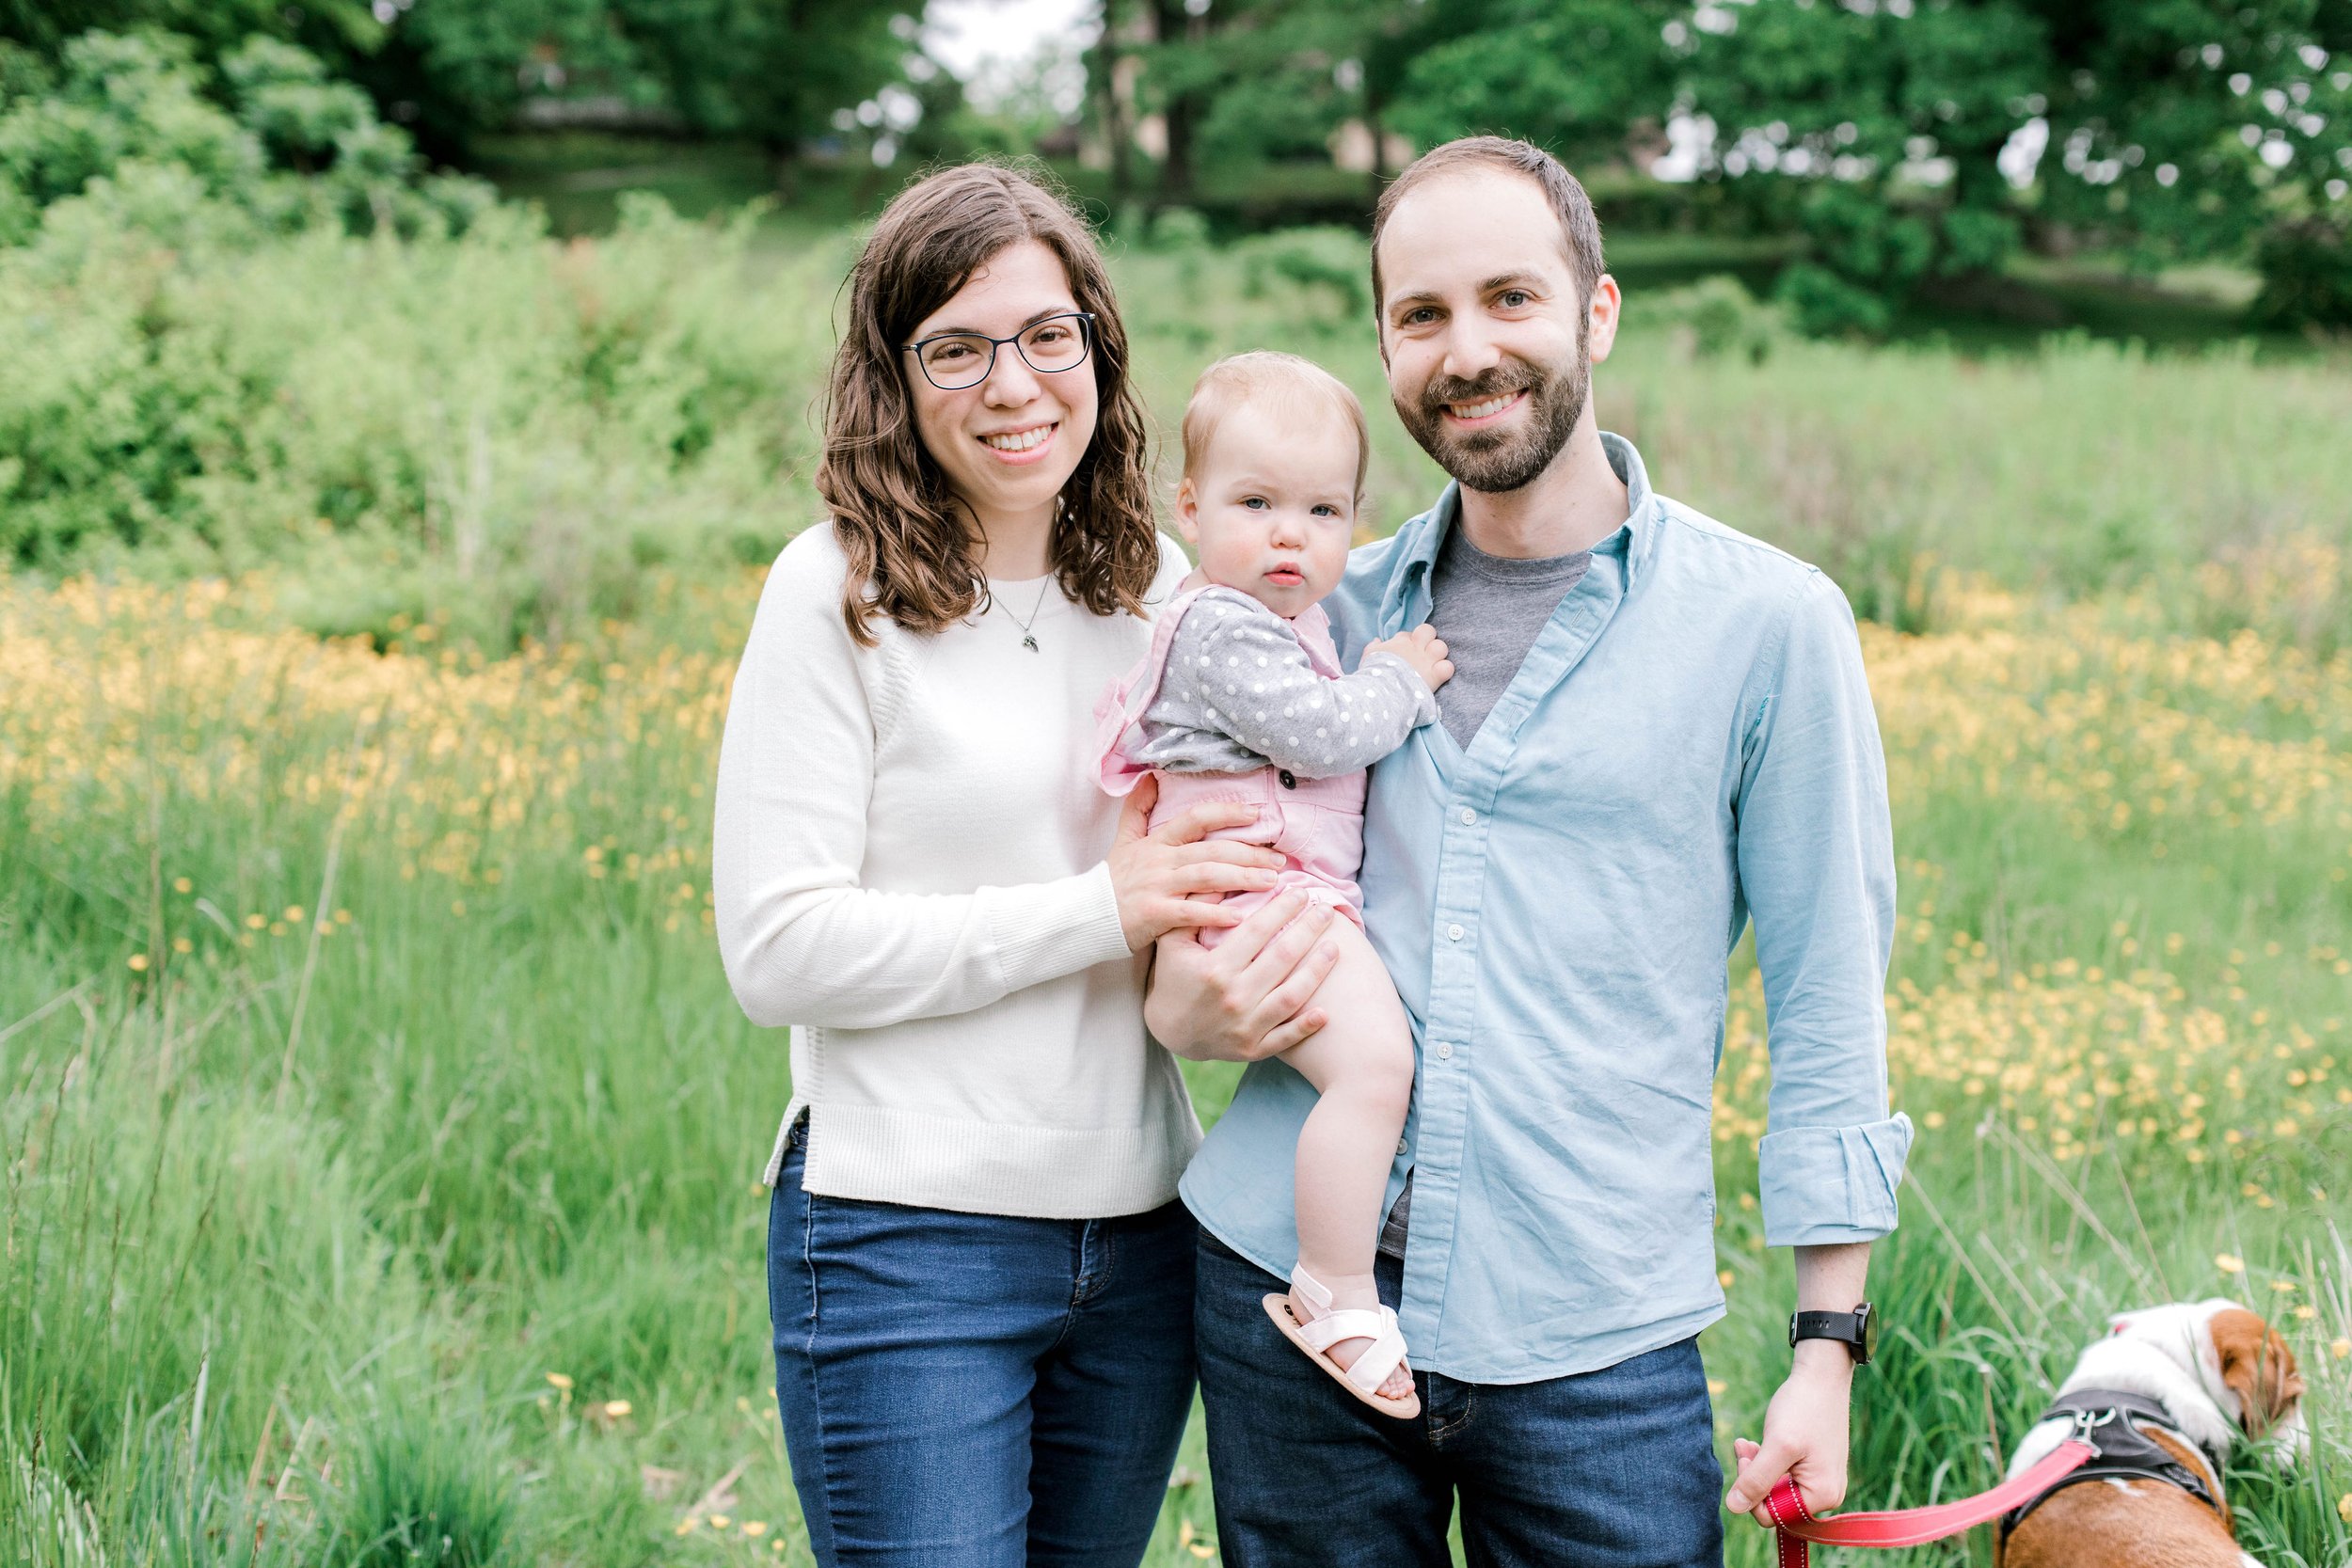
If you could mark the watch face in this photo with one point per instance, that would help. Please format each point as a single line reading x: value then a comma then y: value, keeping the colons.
x: 1865, y: 1331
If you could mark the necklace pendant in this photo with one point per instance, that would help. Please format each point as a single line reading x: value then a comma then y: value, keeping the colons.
x: 1029, y: 643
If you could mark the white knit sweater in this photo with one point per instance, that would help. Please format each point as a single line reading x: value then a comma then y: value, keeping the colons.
x: 907, y: 867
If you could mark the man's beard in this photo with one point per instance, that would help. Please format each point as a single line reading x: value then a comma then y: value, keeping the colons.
x: 1501, y: 460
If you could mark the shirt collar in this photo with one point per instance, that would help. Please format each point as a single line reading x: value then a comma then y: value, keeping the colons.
x: 1420, y: 540
x: 1639, y: 534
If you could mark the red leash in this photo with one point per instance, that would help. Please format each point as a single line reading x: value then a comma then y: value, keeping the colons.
x: 1911, y: 1527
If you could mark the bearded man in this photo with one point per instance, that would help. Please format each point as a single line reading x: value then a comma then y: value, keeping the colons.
x: 1657, y: 732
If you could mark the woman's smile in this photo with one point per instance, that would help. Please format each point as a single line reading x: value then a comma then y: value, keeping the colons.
x: 1029, y: 444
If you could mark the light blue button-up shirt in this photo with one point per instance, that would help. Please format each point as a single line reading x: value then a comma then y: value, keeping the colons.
x: 1688, y: 746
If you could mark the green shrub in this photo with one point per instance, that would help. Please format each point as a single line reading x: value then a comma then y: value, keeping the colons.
x: 2307, y: 275
x: 1329, y: 262
x: 286, y: 98
x: 422, y: 1494
x: 293, y: 148
x: 1717, y: 316
x: 484, y: 427
x: 1827, y: 306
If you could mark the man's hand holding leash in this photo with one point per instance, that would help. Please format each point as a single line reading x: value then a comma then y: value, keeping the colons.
x: 1807, y: 1424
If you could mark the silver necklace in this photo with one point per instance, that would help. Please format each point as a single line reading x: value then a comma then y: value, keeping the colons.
x: 1029, y: 639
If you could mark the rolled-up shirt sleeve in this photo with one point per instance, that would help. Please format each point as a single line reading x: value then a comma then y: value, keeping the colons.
x: 1817, y: 870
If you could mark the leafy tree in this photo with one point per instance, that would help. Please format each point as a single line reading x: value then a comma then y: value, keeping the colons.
x: 1903, y: 136
x: 1882, y: 132
x: 334, y: 28
x: 1575, y: 75
x: 115, y: 100
x: 775, y: 72
x: 1184, y: 71
x: 2190, y: 125
x: 286, y: 99
x: 454, y: 68
x: 449, y: 70
x: 1258, y: 80
x: 126, y: 119
x: 1918, y: 140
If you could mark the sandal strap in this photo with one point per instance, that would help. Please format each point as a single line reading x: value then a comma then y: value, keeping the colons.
x: 1347, y: 1323
x: 1371, y: 1369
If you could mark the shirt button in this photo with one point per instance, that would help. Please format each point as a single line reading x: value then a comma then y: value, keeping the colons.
x: 1470, y: 817
x: 1445, y: 1051
x: 1453, y: 933
x: 1399, y: 1146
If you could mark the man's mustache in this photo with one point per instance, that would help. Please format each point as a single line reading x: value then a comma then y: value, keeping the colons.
x: 1489, y: 384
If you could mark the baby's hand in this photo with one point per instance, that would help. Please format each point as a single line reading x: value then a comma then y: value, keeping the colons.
x: 1422, y: 650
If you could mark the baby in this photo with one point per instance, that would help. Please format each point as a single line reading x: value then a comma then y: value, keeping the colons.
x: 1242, y: 698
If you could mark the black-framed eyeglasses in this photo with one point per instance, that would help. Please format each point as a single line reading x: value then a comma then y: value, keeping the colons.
x: 953, y: 360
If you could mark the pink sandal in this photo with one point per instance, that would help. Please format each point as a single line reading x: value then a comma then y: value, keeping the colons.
x: 1317, y: 1335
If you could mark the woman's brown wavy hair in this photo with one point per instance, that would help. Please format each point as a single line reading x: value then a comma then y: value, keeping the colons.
x: 910, y: 555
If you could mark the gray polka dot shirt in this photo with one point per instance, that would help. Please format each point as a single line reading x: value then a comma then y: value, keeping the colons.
x: 1240, y: 693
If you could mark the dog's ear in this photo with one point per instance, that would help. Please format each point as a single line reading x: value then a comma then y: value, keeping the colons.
x: 2256, y: 1366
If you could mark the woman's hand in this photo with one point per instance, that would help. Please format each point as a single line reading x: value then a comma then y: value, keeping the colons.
x: 1169, y: 879
x: 1246, y: 997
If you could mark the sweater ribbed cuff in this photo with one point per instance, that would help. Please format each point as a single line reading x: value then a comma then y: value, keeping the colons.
x: 1048, y: 929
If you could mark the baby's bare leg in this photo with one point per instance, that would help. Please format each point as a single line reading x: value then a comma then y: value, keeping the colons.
x: 1361, y: 1065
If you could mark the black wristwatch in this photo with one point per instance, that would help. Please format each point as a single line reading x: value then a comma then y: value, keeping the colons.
x: 1851, y: 1329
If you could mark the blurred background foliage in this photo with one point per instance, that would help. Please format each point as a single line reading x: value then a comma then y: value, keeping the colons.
x: 264, y: 307
x: 1903, y: 148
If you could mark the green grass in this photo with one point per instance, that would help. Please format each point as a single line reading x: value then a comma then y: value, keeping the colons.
x: 340, y: 1246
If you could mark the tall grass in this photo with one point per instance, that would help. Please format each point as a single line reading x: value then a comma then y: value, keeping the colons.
x: 327, y: 1284
x: 379, y: 1136
x: 512, y: 435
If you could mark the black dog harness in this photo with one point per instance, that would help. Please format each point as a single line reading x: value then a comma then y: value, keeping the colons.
x: 2109, y: 1422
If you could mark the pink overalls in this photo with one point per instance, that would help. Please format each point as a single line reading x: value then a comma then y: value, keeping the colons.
x: 1317, y: 824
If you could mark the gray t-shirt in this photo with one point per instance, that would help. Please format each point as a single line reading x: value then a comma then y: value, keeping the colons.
x: 1489, y: 609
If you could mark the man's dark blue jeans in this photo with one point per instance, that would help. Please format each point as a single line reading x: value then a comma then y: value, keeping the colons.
x: 977, y: 1390
x: 1608, y: 1469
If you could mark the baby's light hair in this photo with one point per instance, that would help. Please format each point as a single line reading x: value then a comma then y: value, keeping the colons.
x: 1265, y: 375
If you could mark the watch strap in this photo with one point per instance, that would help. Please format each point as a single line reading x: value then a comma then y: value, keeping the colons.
x: 1844, y: 1328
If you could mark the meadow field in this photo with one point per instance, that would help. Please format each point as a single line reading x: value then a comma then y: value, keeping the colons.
x: 381, y: 1139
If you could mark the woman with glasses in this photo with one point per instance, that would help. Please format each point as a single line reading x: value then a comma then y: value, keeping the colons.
x: 980, y: 1279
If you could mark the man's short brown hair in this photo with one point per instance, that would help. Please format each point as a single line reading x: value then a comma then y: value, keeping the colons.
x: 1580, y: 225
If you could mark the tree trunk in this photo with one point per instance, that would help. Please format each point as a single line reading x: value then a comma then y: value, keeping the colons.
x: 1116, y: 127
x: 1171, y: 22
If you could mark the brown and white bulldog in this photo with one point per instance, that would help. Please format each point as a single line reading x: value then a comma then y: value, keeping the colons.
x: 2217, y: 1370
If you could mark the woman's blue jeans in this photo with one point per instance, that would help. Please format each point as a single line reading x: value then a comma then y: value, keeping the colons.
x: 977, y: 1390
